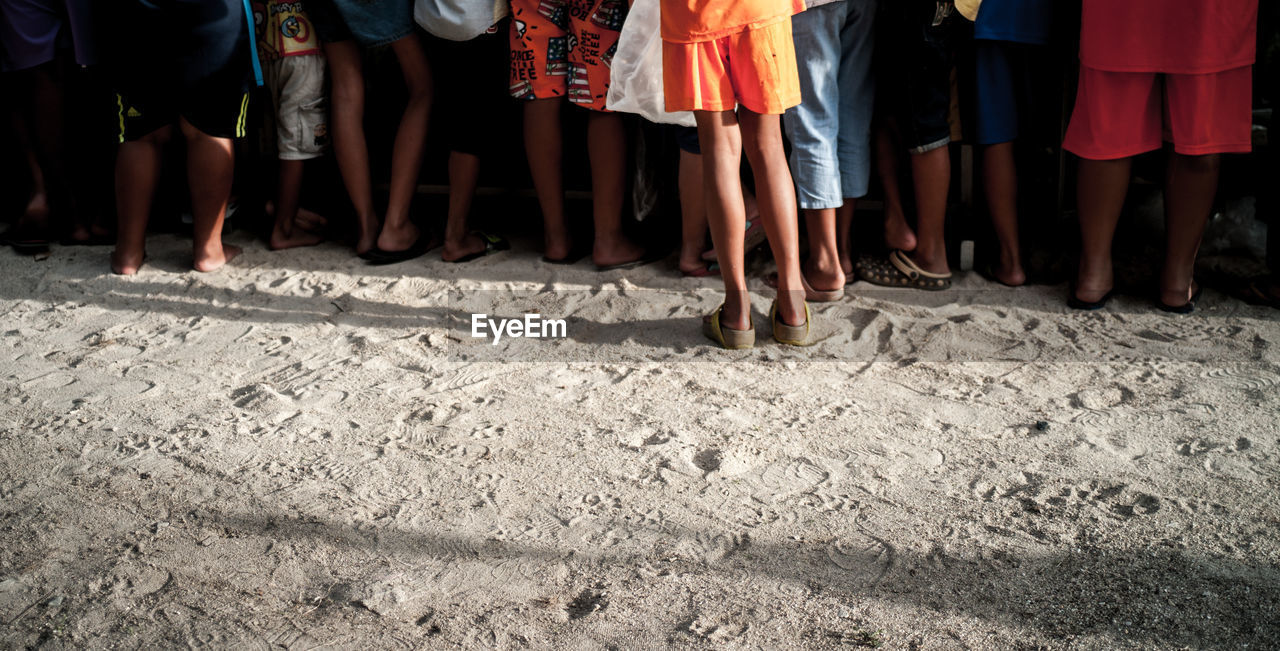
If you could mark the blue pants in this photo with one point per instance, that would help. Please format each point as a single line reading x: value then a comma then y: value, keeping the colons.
x: 830, y: 130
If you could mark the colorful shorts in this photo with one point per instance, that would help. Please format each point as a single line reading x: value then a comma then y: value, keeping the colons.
x: 300, y: 105
x: 755, y: 67
x: 564, y: 48
x: 1123, y: 114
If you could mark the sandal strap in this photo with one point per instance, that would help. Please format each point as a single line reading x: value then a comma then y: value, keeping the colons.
x: 910, y: 269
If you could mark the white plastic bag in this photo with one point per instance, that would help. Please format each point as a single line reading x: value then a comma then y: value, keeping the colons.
x: 459, y: 20
x: 635, y: 78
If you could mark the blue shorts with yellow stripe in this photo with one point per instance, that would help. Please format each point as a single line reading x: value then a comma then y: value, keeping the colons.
x: 187, y: 59
x: 219, y: 114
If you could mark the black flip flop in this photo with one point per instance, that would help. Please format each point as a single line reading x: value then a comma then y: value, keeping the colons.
x: 424, y: 243
x: 1185, y: 308
x: 649, y: 257
x: 1088, y: 306
x: 25, y: 243
x: 492, y: 244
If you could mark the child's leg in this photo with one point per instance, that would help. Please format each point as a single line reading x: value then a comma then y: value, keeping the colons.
x: 762, y: 143
x: 210, y: 171
x: 398, y: 232
x: 693, y: 213
x: 464, y: 176
x: 607, y: 150
x: 823, y: 267
x: 897, y: 232
x: 931, y: 172
x: 1101, y: 190
x: 137, y: 173
x: 844, y: 238
x: 1000, y: 182
x: 1192, y: 183
x: 284, y: 234
x: 543, y: 146
x: 347, y: 122
x: 721, y: 142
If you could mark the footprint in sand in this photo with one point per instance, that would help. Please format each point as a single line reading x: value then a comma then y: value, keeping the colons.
x: 865, y: 559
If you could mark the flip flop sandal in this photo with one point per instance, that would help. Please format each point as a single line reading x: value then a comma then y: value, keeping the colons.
x: 706, y: 270
x: 790, y: 335
x: 899, y: 270
x: 492, y: 244
x: 728, y: 338
x: 1185, y: 308
x: 1089, y: 306
x: 810, y: 294
x: 424, y: 243
x: 25, y: 243
x: 649, y: 257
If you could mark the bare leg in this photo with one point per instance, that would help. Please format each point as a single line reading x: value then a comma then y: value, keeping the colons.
x: 762, y: 143
x: 543, y: 145
x: 210, y: 170
x: 721, y: 142
x: 607, y: 149
x: 931, y: 172
x: 36, y: 214
x: 693, y: 213
x: 398, y: 231
x: 285, y: 234
x: 464, y: 176
x: 823, y: 266
x: 137, y: 173
x: 897, y: 232
x: 347, y: 119
x: 1188, y: 200
x: 844, y: 237
x: 1101, y: 191
x: 1000, y: 180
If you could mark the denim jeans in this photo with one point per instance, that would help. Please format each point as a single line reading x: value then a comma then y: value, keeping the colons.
x: 830, y: 130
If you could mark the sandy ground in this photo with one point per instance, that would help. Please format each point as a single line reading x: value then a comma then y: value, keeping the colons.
x: 302, y: 451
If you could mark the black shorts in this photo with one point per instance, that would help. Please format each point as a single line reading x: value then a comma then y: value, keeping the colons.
x: 471, y: 101
x: 915, y: 53
x: 180, y: 58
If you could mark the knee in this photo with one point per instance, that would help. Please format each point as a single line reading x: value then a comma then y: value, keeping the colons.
x: 1207, y: 164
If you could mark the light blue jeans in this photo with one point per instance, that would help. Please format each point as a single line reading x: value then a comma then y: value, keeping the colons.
x: 830, y: 130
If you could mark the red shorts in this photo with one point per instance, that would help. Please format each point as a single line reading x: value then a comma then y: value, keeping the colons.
x: 563, y: 48
x: 1123, y: 114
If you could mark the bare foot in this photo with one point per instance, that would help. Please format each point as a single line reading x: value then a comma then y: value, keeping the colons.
x: 123, y: 264
x: 1093, y: 282
x: 297, y: 238
x: 309, y: 220
x: 823, y: 279
x: 1178, y: 297
x: 207, y: 263
x: 898, y: 234
x: 37, y: 209
x: 616, y: 253
x: 367, y: 234
x: 1012, y: 276
x: 399, y: 239
x: 469, y: 244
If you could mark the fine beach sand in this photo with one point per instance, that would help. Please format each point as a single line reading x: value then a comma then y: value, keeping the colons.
x: 300, y: 451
